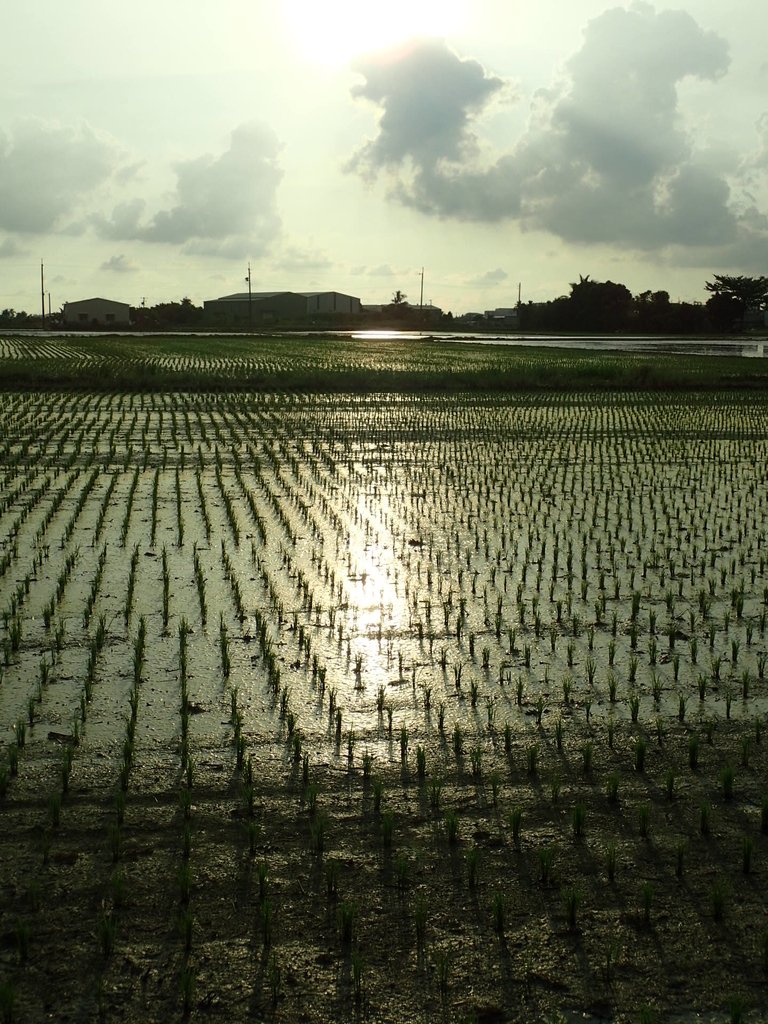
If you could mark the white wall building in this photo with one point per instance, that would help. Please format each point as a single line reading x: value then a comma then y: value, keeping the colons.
x: 97, y: 313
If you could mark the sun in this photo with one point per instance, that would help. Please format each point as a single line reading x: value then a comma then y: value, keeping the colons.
x: 334, y: 32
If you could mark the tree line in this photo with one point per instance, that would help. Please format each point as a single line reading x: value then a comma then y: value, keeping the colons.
x: 735, y: 303
x: 606, y: 306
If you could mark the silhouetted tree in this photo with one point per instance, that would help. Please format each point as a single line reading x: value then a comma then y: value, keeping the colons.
x: 168, y: 314
x: 732, y: 296
x: 724, y: 311
x: 599, y: 305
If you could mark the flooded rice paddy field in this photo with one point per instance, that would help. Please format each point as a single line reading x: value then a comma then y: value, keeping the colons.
x: 383, y: 707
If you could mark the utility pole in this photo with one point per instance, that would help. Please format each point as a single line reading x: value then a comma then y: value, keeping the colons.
x: 421, y: 294
x: 42, y: 290
x: 250, y: 305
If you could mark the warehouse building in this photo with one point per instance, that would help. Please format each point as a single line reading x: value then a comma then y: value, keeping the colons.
x: 97, y: 313
x: 268, y: 307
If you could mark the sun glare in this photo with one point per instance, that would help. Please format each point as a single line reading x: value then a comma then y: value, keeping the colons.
x: 335, y: 32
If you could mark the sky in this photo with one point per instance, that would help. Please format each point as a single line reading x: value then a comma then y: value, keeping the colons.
x: 153, y: 151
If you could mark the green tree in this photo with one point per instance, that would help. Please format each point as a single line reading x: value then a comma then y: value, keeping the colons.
x: 733, y: 295
x: 599, y: 305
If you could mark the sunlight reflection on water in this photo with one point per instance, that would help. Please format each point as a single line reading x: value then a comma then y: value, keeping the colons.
x: 750, y: 347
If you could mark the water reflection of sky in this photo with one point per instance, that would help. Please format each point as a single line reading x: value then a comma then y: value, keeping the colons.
x: 750, y: 347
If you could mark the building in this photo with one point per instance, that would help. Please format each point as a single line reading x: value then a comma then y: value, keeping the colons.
x: 97, y: 313
x: 503, y: 316
x: 268, y: 307
x: 331, y: 302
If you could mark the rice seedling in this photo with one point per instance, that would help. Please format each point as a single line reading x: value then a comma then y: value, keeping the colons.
x: 554, y: 787
x: 332, y: 870
x: 571, y: 903
x: 184, y: 882
x: 106, y: 930
x: 451, y: 821
x: 472, y: 859
x: 546, y: 864
x: 442, y: 972
x: 578, y: 820
x: 646, y: 901
x: 644, y: 820
x: 266, y: 920
x: 680, y: 851
x: 458, y: 741
x: 634, y: 707
x: 717, y: 899
x: 640, y: 749
x: 727, y: 776
x: 186, y: 925
x: 435, y: 793
x: 317, y: 833
x: 693, y: 752
x: 226, y: 664
x: 499, y: 913
x: 378, y: 792
x: 705, y: 818
x: 54, y: 809
x: 387, y: 828
x: 346, y: 920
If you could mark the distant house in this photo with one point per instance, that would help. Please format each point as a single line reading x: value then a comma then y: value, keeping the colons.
x: 97, y: 313
x: 267, y: 307
x: 503, y: 316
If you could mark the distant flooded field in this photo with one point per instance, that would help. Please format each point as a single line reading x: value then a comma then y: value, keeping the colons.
x: 750, y: 346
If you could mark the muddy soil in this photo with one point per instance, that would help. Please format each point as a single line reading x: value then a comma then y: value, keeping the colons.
x: 395, y: 897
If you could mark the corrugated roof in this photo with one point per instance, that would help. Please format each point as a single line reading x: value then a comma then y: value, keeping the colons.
x: 243, y: 296
x: 97, y: 298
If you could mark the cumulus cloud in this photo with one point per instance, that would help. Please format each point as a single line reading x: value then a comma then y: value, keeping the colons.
x: 120, y: 265
x: 490, y: 277
x: 606, y: 157
x: 47, y: 170
x: 296, y: 259
x: 428, y: 96
x: 223, y: 205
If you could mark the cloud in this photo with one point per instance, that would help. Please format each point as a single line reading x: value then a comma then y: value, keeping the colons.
x: 48, y: 170
x: 606, y: 157
x: 223, y: 205
x: 9, y: 248
x: 490, y: 277
x: 382, y: 270
x: 427, y: 96
x: 298, y: 260
x: 120, y: 265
